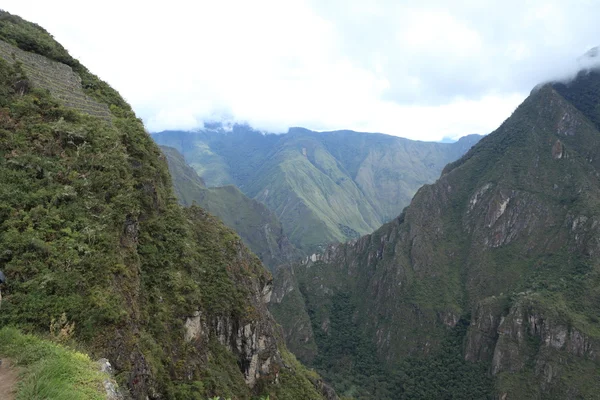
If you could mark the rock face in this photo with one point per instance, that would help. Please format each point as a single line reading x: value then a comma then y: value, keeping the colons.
x: 254, y: 343
x: 112, y: 391
x: 530, y: 336
x: 505, y: 238
x: 483, y: 332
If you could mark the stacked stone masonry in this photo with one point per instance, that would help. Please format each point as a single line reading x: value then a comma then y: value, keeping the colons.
x: 58, y: 78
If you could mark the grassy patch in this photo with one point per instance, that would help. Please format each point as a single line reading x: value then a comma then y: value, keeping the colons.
x: 51, y: 371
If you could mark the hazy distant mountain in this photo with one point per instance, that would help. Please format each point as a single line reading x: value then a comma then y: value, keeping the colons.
x: 324, y: 187
x: 258, y: 226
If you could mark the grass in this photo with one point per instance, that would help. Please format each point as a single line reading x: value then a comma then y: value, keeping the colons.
x: 49, y: 370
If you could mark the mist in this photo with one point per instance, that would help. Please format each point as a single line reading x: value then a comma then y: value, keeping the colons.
x: 419, y: 70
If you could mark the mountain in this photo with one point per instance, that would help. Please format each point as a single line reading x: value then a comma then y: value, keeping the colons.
x: 323, y: 186
x: 258, y: 226
x: 486, y: 286
x: 96, y: 249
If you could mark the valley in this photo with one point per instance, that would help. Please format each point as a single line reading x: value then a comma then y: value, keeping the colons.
x: 324, y: 187
x: 226, y: 261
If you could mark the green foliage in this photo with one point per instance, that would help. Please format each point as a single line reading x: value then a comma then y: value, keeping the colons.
x: 348, y: 359
x: 51, y: 371
x: 56, y: 168
x: 445, y: 374
x: 346, y: 356
x: 296, y: 381
x: 221, y: 378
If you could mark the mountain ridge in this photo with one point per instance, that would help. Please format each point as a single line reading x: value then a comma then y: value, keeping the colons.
x: 503, y: 241
x: 323, y: 186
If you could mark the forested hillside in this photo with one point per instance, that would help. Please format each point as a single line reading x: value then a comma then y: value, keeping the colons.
x: 92, y: 239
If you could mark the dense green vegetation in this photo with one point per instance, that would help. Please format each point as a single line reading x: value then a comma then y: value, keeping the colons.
x: 93, y: 239
x: 348, y: 358
x: 50, y: 370
x: 58, y: 171
x: 445, y: 374
x: 258, y: 227
x: 324, y: 187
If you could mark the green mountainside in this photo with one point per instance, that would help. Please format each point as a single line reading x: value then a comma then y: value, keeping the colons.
x: 258, y: 227
x: 95, y: 246
x: 486, y: 286
x: 323, y: 187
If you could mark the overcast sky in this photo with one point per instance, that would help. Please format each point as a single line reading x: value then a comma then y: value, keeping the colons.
x: 423, y: 69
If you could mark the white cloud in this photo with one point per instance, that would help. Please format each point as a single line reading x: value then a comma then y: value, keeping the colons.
x: 422, y: 70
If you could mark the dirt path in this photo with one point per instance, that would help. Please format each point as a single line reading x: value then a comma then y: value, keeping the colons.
x: 8, y: 380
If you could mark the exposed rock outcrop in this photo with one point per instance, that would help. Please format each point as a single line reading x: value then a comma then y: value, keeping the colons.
x: 112, y: 390
x: 253, y: 342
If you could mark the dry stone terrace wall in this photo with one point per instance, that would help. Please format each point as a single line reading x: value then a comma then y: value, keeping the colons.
x: 58, y: 78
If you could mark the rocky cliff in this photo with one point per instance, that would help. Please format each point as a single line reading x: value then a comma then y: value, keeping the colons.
x: 504, y: 241
x: 95, y: 246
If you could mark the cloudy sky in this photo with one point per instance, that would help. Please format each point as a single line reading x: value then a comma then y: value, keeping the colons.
x: 423, y: 69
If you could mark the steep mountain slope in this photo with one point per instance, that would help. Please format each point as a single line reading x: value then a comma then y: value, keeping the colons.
x: 258, y: 227
x: 492, y: 268
x: 95, y: 246
x: 323, y: 187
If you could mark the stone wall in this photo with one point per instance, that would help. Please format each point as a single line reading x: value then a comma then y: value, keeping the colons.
x: 58, y: 78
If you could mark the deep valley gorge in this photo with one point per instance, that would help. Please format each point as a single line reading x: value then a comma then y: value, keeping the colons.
x: 227, y: 261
